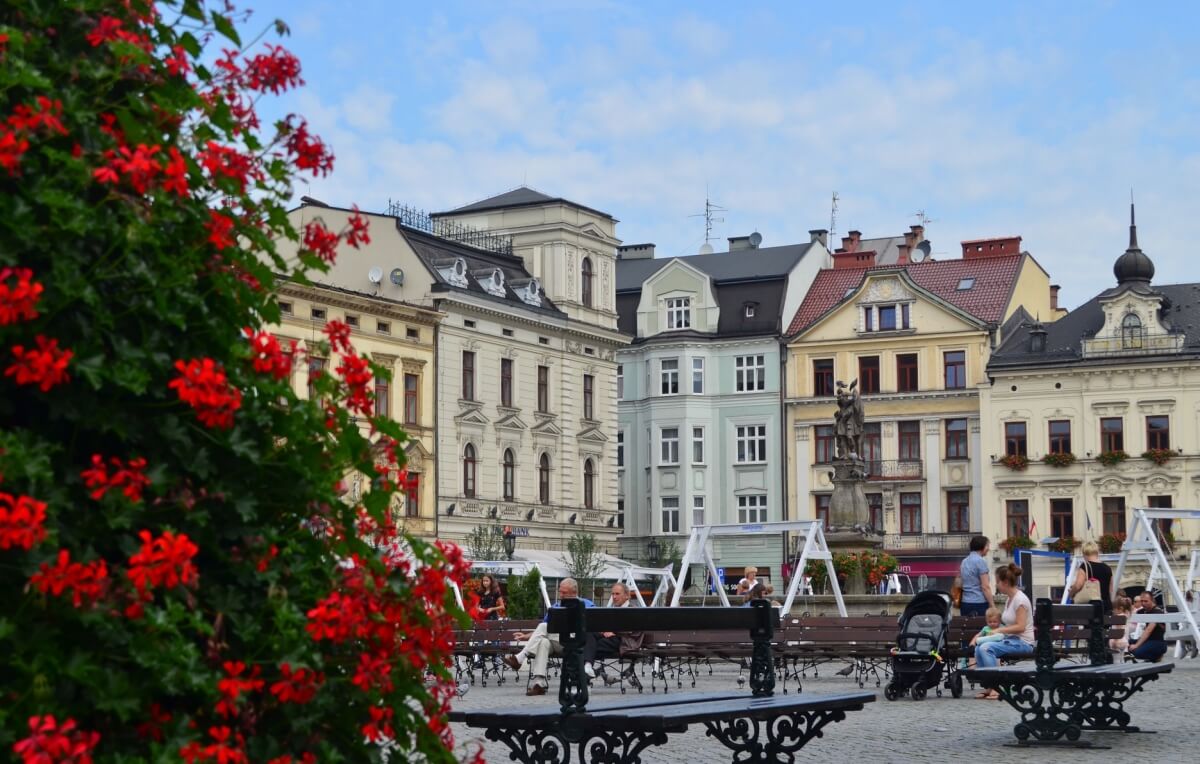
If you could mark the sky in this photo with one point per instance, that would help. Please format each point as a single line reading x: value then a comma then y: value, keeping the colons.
x: 1030, y: 119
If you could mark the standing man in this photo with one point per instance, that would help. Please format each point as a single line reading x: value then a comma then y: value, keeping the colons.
x: 541, y: 644
x: 977, y: 595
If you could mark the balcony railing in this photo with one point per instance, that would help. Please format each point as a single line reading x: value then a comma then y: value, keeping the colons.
x: 947, y: 541
x: 896, y: 469
x: 1133, y: 342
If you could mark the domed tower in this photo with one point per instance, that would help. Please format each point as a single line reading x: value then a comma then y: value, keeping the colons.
x: 1134, y: 266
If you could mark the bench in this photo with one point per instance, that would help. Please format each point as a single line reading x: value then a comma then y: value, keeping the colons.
x: 759, y: 726
x: 1058, y: 698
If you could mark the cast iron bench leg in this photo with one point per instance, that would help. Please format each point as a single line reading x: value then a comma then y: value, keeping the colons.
x: 1047, y: 714
x: 775, y: 740
x: 1107, y: 712
x: 570, y: 746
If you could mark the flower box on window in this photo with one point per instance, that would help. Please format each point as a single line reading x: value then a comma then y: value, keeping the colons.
x: 1111, y: 458
x: 1015, y: 462
x: 1059, y: 460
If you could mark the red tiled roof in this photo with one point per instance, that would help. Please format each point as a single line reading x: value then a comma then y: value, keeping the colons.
x: 994, y: 277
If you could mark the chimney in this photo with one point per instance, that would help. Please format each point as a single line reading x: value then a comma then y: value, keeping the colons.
x: 819, y: 234
x: 635, y: 252
x: 999, y: 246
x: 910, y: 240
x: 1054, y: 296
x: 902, y: 252
x: 855, y: 240
x: 918, y: 232
x: 853, y: 259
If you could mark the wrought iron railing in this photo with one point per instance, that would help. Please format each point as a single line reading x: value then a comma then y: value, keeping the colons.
x: 1132, y: 342
x: 896, y: 469
x: 420, y: 220
x: 947, y: 541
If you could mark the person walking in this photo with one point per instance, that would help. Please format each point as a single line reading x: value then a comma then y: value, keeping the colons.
x: 1016, y: 626
x: 976, y: 583
x: 1093, y: 580
x: 541, y: 645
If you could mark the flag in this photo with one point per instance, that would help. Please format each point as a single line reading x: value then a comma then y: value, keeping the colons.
x: 1032, y: 528
x: 1088, y: 517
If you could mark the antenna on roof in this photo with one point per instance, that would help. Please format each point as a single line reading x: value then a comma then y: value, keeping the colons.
x: 833, y: 218
x: 709, y: 219
x: 922, y: 218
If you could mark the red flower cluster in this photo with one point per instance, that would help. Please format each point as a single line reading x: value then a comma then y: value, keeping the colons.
x: 234, y: 684
x: 45, y: 366
x: 220, y: 228
x: 321, y: 241
x: 52, y: 743
x: 227, y: 162
x: 356, y: 373
x: 269, y: 357
x: 358, y: 234
x: 203, y: 386
x: 339, y: 336
x: 129, y: 477
x: 85, y: 581
x: 18, y: 302
x: 229, y: 748
x: 276, y: 70
x: 380, y: 727
x: 138, y: 166
x: 16, y: 130
x: 299, y: 686
x: 108, y: 29
x: 151, y: 729
x: 307, y: 150
x: 164, y: 561
x: 22, y: 521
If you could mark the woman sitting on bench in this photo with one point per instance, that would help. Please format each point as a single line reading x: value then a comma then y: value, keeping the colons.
x: 1016, y: 626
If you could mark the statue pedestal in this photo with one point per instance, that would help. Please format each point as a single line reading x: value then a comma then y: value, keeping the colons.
x: 850, y: 518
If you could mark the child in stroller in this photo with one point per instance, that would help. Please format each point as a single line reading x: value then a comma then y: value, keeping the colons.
x: 917, y: 664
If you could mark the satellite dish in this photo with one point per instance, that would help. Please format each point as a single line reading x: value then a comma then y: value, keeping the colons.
x: 706, y: 249
x: 922, y: 252
x: 375, y: 275
x: 398, y: 276
x: 755, y: 239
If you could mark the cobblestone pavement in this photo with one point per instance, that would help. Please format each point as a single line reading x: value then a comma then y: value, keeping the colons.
x: 933, y: 730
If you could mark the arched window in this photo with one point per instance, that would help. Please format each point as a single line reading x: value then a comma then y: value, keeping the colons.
x: 510, y: 475
x: 585, y: 278
x: 589, y: 484
x: 469, y: 471
x: 1131, y: 331
x: 544, y: 479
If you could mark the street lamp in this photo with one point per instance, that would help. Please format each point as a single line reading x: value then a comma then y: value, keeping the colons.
x: 652, y: 551
x: 510, y: 541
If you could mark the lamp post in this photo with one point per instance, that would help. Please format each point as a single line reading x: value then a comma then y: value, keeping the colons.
x: 510, y: 541
x: 652, y: 550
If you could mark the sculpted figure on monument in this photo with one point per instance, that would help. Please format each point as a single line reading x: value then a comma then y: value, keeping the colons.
x: 848, y: 421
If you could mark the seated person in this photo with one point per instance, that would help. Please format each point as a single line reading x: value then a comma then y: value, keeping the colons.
x: 988, y: 633
x: 542, y: 645
x: 1152, y: 644
x: 756, y: 592
x: 608, y: 644
x: 1122, y: 606
x: 1016, y: 626
x: 746, y: 584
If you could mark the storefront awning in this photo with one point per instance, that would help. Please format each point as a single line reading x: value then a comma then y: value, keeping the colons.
x: 933, y: 568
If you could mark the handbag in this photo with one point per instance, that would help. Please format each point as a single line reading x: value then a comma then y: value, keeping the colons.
x: 1090, y: 589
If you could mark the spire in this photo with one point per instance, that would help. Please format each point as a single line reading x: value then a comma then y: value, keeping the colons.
x: 1133, y: 266
x: 1132, y: 225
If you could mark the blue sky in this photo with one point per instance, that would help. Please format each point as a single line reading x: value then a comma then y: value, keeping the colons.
x: 1006, y: 118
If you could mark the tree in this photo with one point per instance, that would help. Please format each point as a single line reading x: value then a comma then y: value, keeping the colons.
x: 524, y: 595
x: 180, y: 574
x: 485, y: 542
x: 583, y: 561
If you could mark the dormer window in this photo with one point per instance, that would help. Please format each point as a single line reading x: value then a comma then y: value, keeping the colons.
x: 679, y: 313
x: 965, y: 284
x: 886, y: 318
x: 1132, y: 333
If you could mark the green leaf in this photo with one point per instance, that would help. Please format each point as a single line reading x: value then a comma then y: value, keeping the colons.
x: 225, y: 28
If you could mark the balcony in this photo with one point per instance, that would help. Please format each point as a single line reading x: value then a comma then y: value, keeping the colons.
x: 885, y: 470
x: 948, y: 542
x: 1133, y: 342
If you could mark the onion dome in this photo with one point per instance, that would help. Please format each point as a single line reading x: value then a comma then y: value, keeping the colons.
x: 1134, y: 266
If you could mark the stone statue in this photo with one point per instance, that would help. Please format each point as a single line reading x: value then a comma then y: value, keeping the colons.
x: 848, y: 421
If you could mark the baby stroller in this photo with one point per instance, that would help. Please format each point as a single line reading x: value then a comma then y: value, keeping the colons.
x: 917, y: 663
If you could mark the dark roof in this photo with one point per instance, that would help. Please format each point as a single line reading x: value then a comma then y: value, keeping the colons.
x: 986, y: 300
x: 740, y: 265
x: 521, y: 196
x: 1065, y: 336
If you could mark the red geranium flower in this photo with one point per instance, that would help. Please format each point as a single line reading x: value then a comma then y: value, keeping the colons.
x: 45, y: 367
x: 130, y: 478
x: 84, y: 580
x: 22, y: 521
x: 164, y: 561
x: 268, y: 357
x: 18, y: 302
x: 52, y: 743
x: 203, y: 386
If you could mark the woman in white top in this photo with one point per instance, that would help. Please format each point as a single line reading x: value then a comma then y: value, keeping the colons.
x: 746, y: 584
x: 1016, y: 625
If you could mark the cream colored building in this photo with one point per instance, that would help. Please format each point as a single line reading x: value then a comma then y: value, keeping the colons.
x: 406, y: 348
x: 1121, y: 373
x: 917, y: 335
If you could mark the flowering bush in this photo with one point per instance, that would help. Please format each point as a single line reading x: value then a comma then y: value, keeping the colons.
x: 1065, y: 544
x: 1159, y: 456
x: 1059, y: 460
x: 1111, y: 458
x: 1110, y: 543
x: 873, y: 566
x: 1015, y: 462
x: 180, y: 578
x: 1013, y: 543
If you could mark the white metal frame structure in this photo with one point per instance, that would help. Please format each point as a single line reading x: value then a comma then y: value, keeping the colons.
x: 665, y: 576
x: 1077, y: 561
x: 513, y: 566
x: 815, y: 548
x: 1181, y: 626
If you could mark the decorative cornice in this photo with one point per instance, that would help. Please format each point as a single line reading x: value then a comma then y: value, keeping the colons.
x: 365, y: 304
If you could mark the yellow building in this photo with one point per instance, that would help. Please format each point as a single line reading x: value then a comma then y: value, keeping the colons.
x: 917, y: 335
x: 400, y: 337
x: 1115, y: 378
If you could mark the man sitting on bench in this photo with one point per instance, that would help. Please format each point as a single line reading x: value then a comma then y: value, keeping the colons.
x: 610, y: 644
x: 541, y: 645
x: 1152, y: 645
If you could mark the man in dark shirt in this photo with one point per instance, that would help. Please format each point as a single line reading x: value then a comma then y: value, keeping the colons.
x: 1152, y: 645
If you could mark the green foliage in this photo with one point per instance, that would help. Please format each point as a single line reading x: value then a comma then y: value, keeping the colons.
x: 1111, y: 458
x: 873, y: 565
x: 524, y: 595
x: 1013, y: 543
x: 485, y: 542
x: 1059, y: 460
x: 1159, y: 456
x: 1110, y: 543
x: 583, y: 561
x: 1065, y: 544
x: 1015, y: 462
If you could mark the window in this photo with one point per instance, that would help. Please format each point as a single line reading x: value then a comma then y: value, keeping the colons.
x: 697, y: 511
x: 585, y: 281
x: 751, y: 443
x: 1062, y: 518
x: 410, y: 399
x: 589, y: 397
x: 1112, y: 434
x: 468, y: 375
x: 965, y: 284
x: 823, y: 377
x: 872, y: 446
x: 822, y: 511
x: 697, y: 445
x: 904, y: 311
x: 698, y: 376
x: 669, y: 445
x: 670, y: 514
x: 1164, y: 523
x: 875, y: 508
x: 750, y: 373
x: 412, y: 495
x: 506, y: 382
x: 668, y: 370
x: 887, y: 318
x: 823, y: 435
x: 910, y: 513
x: 543, y: 389
x: 544, y: 479
x: 383, y: 327
x: 589, y: 484
x: 620, y: 513
x: 910, y: 441
x: 1014, y: 439
x: 1131, y: 331
x: 285, y: 308
x: 1016, y: 517
x: 543, y: 340
x: 318, y: 314
x: 1060, y: 436
x: 679, y: 313
x: 956, y: 439
x: 869, y: 319
x: 351, y: 321
x: 956, y: 369
x: 316, y: 367
x: 958, y: 511
x: 752, y: 509
x: 383, y: 398
x: 868, y: 374
x: 1158, y: 432
x: 906, y: 373
x: 469, y: 471
x: 412, y: 334
x: 509, y: 475
x: 620, y: 382
x: 620, y: 448
x: 1113, y: 510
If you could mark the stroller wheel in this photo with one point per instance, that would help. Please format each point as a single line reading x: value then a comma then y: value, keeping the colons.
x: 891, y: 691
x: 956, y: 685
x: 919, y: 691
